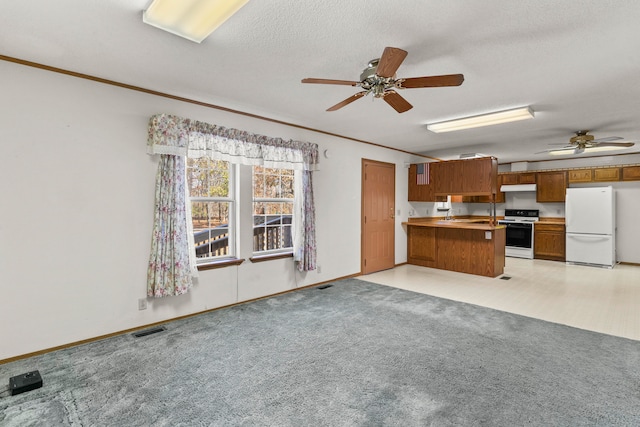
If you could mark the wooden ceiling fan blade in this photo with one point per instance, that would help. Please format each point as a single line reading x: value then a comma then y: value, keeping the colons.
x: 330, y: 82
x: 390, y: 61
x: 347, y: 101
x: 432, y: 81
x: 397, y: 102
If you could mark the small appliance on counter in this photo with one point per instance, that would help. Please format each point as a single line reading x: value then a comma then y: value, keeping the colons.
x: 590, y: 225
x: 519, y: 224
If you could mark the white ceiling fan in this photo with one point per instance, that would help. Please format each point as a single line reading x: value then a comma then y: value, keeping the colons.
x: 583, y: 142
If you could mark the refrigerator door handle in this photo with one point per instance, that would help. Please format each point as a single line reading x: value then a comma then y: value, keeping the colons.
x: 589, y: 238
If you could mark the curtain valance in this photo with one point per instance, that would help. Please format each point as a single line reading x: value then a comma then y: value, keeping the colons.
x: 175, y: 135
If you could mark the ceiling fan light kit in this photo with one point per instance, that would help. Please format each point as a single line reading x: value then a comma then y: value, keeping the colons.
x: 481, y: 120
x: 191, y: 19
x: 379, y: 79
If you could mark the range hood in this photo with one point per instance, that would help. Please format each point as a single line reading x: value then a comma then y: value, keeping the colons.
x: 518, y: 187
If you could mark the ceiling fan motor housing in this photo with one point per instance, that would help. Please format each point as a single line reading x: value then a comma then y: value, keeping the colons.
x: 582, y: 137
x: 372, y: 82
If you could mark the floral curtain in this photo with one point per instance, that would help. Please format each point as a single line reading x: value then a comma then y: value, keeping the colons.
x: 304, y: 224
x: 169, y: 271
x: 172, y: 260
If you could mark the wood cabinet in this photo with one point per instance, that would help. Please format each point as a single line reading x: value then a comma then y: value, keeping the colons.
x: 631, y: 173
x: 527, y: 178
x: 470, y: 251
x: 580, y: 175
x: 509, y: 178
x: 470, y: 177
x: 551, y: 186
x: 513, y: 178
x: 421, y: 246
x: 479, y: 250
x: 423, y: 192
x: 487, y: 199
x: 606, y: 174
x: 549, y: 241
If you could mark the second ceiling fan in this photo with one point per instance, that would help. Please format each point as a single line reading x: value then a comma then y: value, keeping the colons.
x: 583, y: 142
x: 379, y: 79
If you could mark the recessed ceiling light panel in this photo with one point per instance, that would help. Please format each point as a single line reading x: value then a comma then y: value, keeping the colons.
x: 191, y: 19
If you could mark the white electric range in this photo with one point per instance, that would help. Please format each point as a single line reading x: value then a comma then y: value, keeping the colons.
x: 520, y: 223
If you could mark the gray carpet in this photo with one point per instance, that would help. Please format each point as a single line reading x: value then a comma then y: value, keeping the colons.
x: 354, y: 354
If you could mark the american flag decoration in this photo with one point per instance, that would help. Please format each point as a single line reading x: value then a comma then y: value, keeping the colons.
x: 423, y: 174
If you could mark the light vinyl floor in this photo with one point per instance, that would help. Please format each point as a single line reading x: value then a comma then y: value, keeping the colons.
x: 592, y: 298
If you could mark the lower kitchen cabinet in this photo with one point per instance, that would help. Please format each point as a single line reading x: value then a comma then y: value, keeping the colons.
x: 549, y: 242
x: 465, y: 248
x: 421, y: 245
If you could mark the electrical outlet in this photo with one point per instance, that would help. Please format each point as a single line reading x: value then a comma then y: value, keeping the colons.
x: 142, y: 304
x: 319, y: 269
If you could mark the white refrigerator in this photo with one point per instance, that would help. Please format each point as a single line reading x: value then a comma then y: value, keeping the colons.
x: 590, y: 224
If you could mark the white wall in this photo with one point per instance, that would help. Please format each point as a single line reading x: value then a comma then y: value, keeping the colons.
x: 77, y: 204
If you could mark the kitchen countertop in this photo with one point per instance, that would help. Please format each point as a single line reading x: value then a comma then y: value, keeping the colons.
x: 551, y: 220
x: 463, y: 223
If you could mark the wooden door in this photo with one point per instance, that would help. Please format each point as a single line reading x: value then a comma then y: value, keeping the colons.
x: 378, y: 216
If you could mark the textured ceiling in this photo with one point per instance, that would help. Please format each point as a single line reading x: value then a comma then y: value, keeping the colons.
x: 576, y: 62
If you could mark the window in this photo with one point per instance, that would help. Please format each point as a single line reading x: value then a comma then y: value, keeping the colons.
x: 212, y: 207
x: 272, y: 210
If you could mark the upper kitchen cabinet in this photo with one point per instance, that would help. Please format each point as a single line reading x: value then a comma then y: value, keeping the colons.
x: 420, y: 192
x: 601, y: 174
x: 580, y: 175
x: 499, y: 198
x: 606, y: 174
x: 551, y: 186
x: 514, y: 178
x: 470, y: 177
x: 631, y: 173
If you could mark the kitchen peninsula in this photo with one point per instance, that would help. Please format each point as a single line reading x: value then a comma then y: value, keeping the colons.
x: 474, y: 246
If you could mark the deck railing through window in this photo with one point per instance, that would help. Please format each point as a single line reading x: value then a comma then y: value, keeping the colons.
x: 269, y: 233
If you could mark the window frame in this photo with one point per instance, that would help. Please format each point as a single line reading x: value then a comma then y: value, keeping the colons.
x: 279, y: 252
x: 232, y: 201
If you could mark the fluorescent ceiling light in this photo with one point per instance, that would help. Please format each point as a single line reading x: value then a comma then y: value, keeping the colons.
x: 586, y: 150
x: 482, y: 120
x: 562, y: 152
x: 604, y: 148
x: 191, y: 19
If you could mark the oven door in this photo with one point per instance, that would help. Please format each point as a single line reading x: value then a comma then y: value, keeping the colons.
x: 519, y: 235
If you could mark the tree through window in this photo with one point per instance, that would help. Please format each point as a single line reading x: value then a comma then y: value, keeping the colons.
x: 212, y: 206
